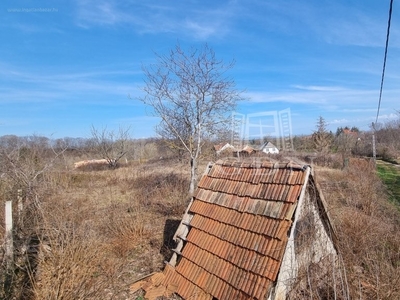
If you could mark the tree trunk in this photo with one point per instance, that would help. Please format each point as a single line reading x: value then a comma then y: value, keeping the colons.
x: 193, y: 175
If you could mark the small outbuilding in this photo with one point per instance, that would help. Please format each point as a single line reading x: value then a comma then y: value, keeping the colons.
x: 249, y: 230
x: 246, y: 151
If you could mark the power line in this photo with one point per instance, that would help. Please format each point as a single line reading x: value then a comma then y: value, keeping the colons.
x: 384, y: 59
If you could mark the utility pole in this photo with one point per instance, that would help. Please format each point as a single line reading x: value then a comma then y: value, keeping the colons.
x: 373, y: 143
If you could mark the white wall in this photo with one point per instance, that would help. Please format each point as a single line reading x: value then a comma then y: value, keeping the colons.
x: 308, y: 243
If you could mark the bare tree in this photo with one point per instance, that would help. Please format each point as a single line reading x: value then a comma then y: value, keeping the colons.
x: 25, y: 167
x: 24, y: 160
x: 192, y: 95
x: 111, y: 145
x: 388, y: 138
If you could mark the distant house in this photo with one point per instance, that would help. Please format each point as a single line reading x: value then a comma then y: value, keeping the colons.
x: 250, y: 229
x: 245, y: 151
x: 268, y: 147
x: 220, y: 148
x: 350, y: 132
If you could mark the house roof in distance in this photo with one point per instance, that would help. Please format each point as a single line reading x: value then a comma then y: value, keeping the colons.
x: 267, y: 145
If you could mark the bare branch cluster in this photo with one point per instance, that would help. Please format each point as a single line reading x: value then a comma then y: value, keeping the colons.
x: 111, y: 145
x: 192, y: 95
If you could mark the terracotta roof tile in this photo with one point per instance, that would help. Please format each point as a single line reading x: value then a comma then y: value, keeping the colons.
x: 242, y: 214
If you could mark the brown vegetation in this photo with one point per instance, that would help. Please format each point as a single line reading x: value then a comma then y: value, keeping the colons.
x: 88, y: 234
x: 368, y: 229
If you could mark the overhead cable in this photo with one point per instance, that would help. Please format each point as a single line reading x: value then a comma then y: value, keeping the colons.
x: 384, y: 59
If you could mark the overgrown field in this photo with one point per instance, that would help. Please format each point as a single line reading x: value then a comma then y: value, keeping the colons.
x: 368, y: 228
x: 97, y: 231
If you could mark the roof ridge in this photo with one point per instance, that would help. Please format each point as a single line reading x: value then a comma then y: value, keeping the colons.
x: 262, y: 163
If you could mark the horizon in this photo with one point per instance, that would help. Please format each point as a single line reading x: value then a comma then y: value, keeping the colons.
x: 65, y: 68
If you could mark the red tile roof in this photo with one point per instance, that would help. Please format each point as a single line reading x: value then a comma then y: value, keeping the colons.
x: 242, y: 213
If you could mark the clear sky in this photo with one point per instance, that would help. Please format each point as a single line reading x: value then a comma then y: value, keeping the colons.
x: 66, y: 66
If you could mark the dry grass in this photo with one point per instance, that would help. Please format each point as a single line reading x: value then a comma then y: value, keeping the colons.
x: 368, y: 229
x: 99, y: 230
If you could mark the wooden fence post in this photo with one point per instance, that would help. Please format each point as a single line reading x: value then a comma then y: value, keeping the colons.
x: 20, y: 206
x: 9, y: 242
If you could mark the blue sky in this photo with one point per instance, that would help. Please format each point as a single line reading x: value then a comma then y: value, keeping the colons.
x: 69, y: 65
